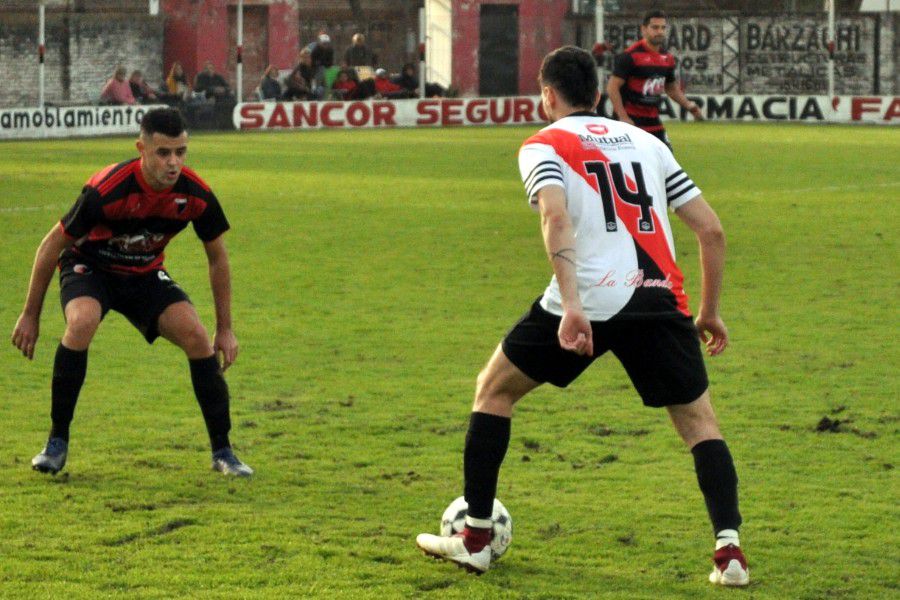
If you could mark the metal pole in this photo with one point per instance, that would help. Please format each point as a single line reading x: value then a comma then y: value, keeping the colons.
x: 831, y: 47
x: 41, y: 30
x: 423, y: 39
x: 598, y: 31
x: 240, y: 51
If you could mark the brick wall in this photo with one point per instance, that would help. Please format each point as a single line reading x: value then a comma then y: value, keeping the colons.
x: 82, y: 50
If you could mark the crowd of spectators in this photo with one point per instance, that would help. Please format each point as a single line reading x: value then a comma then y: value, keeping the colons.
x: 315, y: 76
x: 358, y: 77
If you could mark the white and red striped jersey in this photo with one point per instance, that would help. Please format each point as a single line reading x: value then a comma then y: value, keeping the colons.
x: 619, y: 182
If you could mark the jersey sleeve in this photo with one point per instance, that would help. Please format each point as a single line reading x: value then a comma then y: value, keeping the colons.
x: 83, y: 215
x: 539, y: 166
x: 212, y: 222
x: 623, y: 65
x: 680, y: 189
x: 670, y: 74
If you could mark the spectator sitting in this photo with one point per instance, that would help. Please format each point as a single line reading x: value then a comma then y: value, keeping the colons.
x: 117, y: 90
x: 344, y: 88
x: 142, y: 92
x: 211, y: 83
x: 409, y: 82
x: 322, y: 52
x: 299, y: 84
x: 177, y: 83
x: 358, y: 54
x: 269, y: 88
x: 407, y: 79
x: 385, y: 88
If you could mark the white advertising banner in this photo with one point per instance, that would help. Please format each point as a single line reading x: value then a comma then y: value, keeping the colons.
x: 527, y: 110
x: 70, y: 121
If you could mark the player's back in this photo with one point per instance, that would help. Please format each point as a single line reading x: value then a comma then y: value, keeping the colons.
x: 619, y: 183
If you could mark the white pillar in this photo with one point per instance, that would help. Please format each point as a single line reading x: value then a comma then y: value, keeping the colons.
x: 240, y: 51
x: 423, y: 39
x: 41, y: 31
x: 600, y: 39
x: 829, y: 5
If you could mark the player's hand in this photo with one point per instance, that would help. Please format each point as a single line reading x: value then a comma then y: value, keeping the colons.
x: 713, y: 333
x: 226, y: 347
x: 575, y: 333
x: 695, y: 110
x: 25, y: 334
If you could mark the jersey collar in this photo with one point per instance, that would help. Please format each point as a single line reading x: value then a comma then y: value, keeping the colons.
x: 581, y: 113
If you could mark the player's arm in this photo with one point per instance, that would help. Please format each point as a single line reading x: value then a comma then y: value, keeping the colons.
x: 614, y: 92
x: 559, y: 240
x: 220, y: 281
x: 703, y: 221
x: 673, y: 91
x: 25, y: 334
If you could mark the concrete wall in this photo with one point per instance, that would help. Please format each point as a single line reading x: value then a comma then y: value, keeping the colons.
x: 82, y: 50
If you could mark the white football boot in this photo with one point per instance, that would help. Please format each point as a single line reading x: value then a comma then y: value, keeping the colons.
x: 454, y: 549
x: 730, y: 567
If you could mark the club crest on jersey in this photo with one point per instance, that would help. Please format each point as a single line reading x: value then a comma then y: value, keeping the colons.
x: 180, y: 204
x: 654, y: 86
x: 81, y: 269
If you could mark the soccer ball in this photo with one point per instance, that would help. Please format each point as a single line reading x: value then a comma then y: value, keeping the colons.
x: 453, y: 521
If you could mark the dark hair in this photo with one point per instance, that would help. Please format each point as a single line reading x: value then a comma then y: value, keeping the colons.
x: 572, y: 72
x: 167, y: 121
x: 654, y: 14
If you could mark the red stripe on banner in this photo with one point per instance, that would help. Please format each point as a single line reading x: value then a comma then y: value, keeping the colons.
x: 655, y: 244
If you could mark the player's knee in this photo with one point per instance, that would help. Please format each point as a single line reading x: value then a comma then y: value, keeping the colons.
x: 81, y: 324
x: 489, y: 392
x: 194, y: 341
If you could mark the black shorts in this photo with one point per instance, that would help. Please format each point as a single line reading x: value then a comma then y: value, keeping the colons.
x: 141, y: 298
x: 656, y: 125
x: 661, y: 356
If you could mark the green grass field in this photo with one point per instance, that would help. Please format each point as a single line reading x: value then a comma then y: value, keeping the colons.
x: 374, y: 272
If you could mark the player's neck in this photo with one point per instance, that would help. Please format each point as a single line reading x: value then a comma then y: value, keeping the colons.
x: 652, y: 46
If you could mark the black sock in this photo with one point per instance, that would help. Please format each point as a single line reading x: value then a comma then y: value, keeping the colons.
x: 69, y: 369
x: 486, y: 444
x: 718, y: 482
x: 212, y: 395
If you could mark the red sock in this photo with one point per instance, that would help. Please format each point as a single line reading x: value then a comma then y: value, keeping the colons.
x: 476, y: 538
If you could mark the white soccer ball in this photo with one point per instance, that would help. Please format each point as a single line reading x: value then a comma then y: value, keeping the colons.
x: 454, y: 521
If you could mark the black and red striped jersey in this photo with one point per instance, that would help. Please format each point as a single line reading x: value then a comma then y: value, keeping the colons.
x: 646, y: 73
x: 121, y: 224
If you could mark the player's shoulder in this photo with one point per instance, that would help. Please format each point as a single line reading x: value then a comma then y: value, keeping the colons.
x: 111, y: 176
x: 559, y: 135
x: 194, y: 181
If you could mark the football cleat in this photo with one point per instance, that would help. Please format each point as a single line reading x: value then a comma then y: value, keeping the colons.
x: 453, y: 548
x: 52, y: 458
x: 731, y: 567
x: 224, y: 461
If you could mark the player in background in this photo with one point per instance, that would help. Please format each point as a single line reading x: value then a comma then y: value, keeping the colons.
x: 603, y: 188
x: 640, y: 76
x: 109, y: 250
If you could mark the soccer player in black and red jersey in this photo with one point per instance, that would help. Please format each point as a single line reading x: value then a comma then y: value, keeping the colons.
x: 109, y: 250
x: 640, y: 76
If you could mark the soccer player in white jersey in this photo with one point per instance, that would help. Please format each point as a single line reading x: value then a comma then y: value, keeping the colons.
x: 603, y: 189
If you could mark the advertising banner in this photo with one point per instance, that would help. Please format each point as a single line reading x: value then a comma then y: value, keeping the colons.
x: 70, y: 121
x: 527, y: 110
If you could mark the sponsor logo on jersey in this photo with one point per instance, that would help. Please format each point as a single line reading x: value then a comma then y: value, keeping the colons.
x: 654, y: 86
x: 590, y: 141
x: 597, y: 129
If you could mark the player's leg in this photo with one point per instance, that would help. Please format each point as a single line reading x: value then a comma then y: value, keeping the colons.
x: 83, y: 298
x: 529, y: 355
x: 180, y: 324
x: 676, y: 379
x: 499, y: 386
x: 697, y: 425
